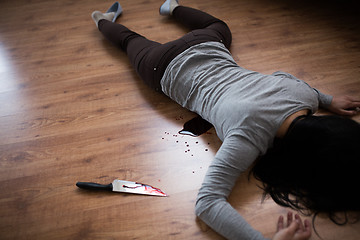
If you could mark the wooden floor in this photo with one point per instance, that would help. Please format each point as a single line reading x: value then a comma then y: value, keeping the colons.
x: 72, y: 109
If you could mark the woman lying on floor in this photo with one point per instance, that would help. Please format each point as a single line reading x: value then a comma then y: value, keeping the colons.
x: 249, y: 111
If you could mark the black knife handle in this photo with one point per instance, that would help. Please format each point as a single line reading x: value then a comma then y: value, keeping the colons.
x: 94, y: 186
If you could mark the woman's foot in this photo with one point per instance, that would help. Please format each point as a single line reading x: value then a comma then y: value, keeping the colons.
x: 117, y: 9
x: 168, y: 7
x: 111, y: 14
x: 97, y: 16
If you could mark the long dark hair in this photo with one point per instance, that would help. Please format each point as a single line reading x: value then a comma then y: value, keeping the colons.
x: 315, y: 167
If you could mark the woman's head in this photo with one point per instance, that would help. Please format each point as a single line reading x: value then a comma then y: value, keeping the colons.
x: 315, y: 167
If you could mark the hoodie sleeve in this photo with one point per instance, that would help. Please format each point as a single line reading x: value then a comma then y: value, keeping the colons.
x: 324, y: 99
x: 234, y: 156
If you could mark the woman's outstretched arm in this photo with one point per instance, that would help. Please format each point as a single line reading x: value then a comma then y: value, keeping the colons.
x: 234, y: 157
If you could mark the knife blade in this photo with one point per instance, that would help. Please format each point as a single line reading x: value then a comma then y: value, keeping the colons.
x: 124, y: 187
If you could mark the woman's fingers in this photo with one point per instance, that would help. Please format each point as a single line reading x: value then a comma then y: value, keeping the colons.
x: 280, y: 224
x: 294, y: 228
x: 289, y: 218
x: 307, y: 229
x: 345, y: 105
x: 298, y: 219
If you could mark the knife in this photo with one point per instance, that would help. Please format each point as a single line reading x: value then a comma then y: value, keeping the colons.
x: 123, y: 186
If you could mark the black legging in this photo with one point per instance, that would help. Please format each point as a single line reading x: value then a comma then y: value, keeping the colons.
x: 150, y: 58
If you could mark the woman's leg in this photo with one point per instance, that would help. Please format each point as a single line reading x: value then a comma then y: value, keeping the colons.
x: 202, y: 23
x: 150, y: 58
x: 135, y: 46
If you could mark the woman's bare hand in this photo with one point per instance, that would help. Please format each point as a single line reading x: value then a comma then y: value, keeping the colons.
x: 293, y: 229
x: 345, y: 105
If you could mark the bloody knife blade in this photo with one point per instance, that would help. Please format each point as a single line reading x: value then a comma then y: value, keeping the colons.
x: 124, y: 187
